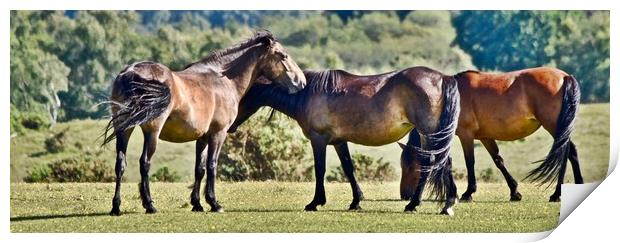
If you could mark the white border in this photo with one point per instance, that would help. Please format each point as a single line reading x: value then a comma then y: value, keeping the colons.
x: 594, y: 219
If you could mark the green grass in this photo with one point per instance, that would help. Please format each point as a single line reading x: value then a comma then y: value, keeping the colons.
x: 591, y: 136
x: 277, y: 206
x: 271, y: 207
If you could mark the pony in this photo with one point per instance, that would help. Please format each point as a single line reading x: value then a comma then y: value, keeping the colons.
x: 337, y: 107
x: 198, y: 103
x: 507, y: 107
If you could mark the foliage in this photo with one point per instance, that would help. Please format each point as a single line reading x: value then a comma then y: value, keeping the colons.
x: 85, y: 168
x: 63, y: 63
x: 165, y: 174
x: 377, y: 41
x: 29, y: 120
x: 265, y: 150
x: 574, y: 41
x: 56, y: 142
x: 367, y: 168
x: 488, y: 175
x: 37, y: 74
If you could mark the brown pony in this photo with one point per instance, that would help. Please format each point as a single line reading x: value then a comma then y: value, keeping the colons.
x: 511, y: 106
x: 198, y: 104
x: 338, y: 107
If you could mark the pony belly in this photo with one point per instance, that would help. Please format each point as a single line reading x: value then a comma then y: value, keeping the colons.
x: 177, y: 131
x: 515, y: 130
x: 380, y: 136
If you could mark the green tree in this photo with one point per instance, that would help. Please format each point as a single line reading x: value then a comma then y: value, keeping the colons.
x: 36, y: 74
x: 575, y: 41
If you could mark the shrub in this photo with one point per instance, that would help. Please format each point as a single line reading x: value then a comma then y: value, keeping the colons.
x: 261, y: 150
x: 488, y: 175
x: 367, y: 168
x: 22, y: 120
x: 74, y: 169
x: 165, y: 174
x: 459, y: 174
x: 56, y: 143
x: 39, y: 174
x: 34, y: 121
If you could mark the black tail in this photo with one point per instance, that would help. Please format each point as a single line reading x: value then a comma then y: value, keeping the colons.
x: 437, y: 154
x: 143, y: 100
x: 552, y: 166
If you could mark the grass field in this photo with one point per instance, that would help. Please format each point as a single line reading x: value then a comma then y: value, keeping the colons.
x: 271, y: 207
x: 591, y: 137
x: 277, y: 206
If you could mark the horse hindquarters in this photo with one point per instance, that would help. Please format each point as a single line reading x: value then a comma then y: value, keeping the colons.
x: 553, y: 167
x: 139, y: 95
x: 435, y: 156
x: 139, y: 100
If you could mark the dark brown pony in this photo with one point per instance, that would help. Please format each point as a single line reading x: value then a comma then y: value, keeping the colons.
x: 198, y: 104
x: 338, y: 107
x: 511, y: 106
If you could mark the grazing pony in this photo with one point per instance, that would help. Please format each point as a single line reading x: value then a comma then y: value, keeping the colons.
x: 198, y: 104
x: 507, y: 107
x: 338, y: 107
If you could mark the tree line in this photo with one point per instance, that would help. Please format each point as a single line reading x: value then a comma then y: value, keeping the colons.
x: 63, y: 62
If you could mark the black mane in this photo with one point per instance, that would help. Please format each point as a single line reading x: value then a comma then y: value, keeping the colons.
x: 326, y: 81
x: 221, y: 58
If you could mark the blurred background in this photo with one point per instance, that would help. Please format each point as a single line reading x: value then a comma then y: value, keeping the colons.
x: 63, y: 64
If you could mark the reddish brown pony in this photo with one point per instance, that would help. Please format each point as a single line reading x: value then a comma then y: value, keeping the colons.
x: 338, y: 107
x: 506, y: 107
x: 198, y: 104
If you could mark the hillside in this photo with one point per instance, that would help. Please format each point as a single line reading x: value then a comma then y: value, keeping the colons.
x: 591, y: 137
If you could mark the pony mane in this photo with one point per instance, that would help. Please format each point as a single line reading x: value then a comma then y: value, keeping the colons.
x: 221, y: 58
x: 464, y: 72
x: 325, y: 81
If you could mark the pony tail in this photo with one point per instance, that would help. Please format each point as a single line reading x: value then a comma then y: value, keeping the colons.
x: 144, y: 100
x: 554, y: 164
x: 436, y: 158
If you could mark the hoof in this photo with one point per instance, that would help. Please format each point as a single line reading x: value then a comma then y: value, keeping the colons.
x: 151, y: 210
x: 410, y: 208
x: 355, y: 207
x: 115, y: 212
x: 466, y: 198
x: 447, y: 211
x: 310, y: 207
x: 198, y: 208
x: 554, y: 199
x: 516, y: 197
x: 217, y: 209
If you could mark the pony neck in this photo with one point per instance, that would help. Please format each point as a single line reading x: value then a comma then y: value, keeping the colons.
x: 243, y: 70
x: 280, y: 100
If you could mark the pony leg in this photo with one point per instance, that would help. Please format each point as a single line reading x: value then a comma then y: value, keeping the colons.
x: 199, y: 173
x: 451, y: 193
x: 318, y: 150
x: 416, y: 199
x: 213, y: 153
x: 574, y: 162
x: 122, y: 138
x: 410, y: 172
x: 150, y: 144
x: 493, y: 150
x: 342, y: 150
x: 467, y: 143
x: 555, y: 197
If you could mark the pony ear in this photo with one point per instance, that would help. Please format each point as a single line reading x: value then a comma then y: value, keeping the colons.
x: 402, y: 146
x: 267, y: 40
